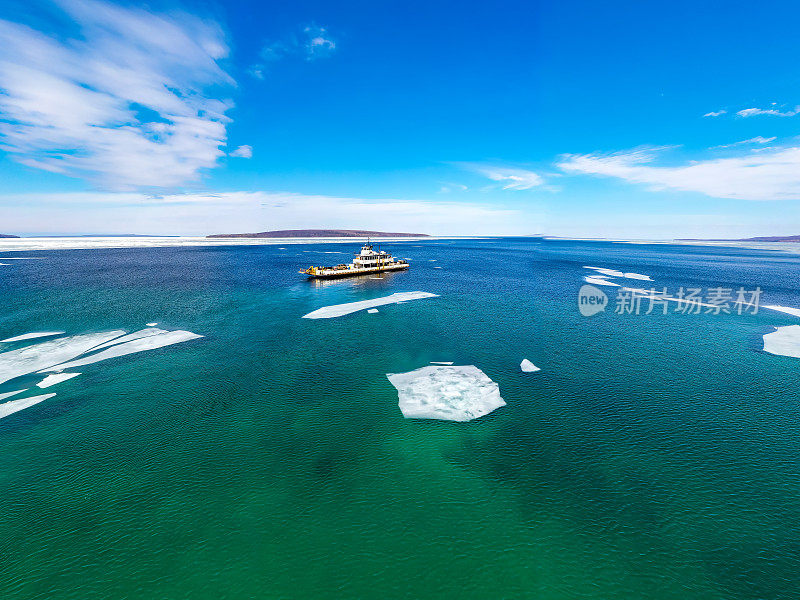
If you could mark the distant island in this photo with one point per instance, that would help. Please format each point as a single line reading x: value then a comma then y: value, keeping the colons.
x: 317, y: 233
x: 770, y: 238
x: 8, y: 235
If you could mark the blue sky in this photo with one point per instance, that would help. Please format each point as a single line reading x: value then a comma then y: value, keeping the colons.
x: 616, y: 119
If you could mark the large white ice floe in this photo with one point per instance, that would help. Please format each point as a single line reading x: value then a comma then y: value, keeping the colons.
x: 31, y: 336
x: 528, y: 367
x: 9, y: 408
x: 459, y: 393
x: 55, y: 378
x: 795, y: 312
x: 29, y: 359
x: 142, y: 333
x: 784, y: 341
x: 339, y: 310
x: 5, y: 395
x: 137, y: 345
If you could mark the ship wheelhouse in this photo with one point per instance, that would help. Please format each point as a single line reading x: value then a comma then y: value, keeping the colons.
x: 368, y: 260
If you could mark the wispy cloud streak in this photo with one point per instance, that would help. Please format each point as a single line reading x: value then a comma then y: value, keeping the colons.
x: 773, y: 174
x: 754, y: 112
x: 510, y: 178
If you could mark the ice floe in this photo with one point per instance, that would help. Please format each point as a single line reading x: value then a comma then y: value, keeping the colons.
x: 615, y: 273
x: 29, y: 359
x: 441, y: 362
x: 784, y: 341
x: 607, y: 272
x: 151, y: 324
x: 5, y: 395
x: 138, y: 345
x: 372, y: 311
x: 142, y: 333
x: 599, y: 280
x: 795, y: 312
x: 55, y: 378
x: 339, y: 310
x: 450, y: 393
x: 9, y: 408
x: 38, y: 244
x: 31, y: 336
x: 528, y: 367
x: 638, y: 276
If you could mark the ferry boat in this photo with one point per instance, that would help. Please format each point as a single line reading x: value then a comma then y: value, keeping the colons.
x: 366, y: 261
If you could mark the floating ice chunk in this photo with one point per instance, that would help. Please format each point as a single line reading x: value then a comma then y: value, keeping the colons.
x: 40, y: 356
x: 615, y: 273
x: 528, y: 367
x: 795, y: 312
x: 606, y: 272
x: 5, y: 395
x: 440, y: 362
x: 142, y: 333
x: 599, y: 280
x: 459, y: 393
x: 55, y: 378
x: 784, y: 341
x: 139, y: 345
x: 9, y: 408
x: 31, y: 336
x: 638, y: 276
x: 338, y: 310
x: 372, y: 311
x: 151, y: 324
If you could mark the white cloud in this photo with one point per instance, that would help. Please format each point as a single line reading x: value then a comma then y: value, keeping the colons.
x: 718, y: 113
x: 318, y: 42
x: 122, y: 103
x: 511, y: 178
x: 242, y: 152
x: 752, y: 112
x: 773, y: 174
x: 448, y: 187
x: 759, y: 139
x: 311, y: 43
x: 234, y: 212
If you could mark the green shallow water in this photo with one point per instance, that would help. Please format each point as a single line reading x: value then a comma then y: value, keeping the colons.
x: 652, y: 457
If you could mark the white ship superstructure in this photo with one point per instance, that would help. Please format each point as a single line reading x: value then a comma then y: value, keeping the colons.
x: 368, y: 260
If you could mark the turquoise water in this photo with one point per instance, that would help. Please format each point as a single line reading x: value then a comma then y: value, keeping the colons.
x: 652, y: 457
